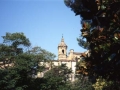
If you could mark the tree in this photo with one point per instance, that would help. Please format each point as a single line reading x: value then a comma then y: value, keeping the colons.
x: 46, y: 55
x: 57, y: 78
x: 82, y: 83
x: 11, y: 47
x: 101, y: 29
x: 15, y: 65
x: 18, y: 67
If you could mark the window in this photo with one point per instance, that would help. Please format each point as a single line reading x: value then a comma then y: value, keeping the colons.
x: 63, y: 51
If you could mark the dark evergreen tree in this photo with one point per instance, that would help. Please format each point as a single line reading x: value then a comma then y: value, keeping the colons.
x: 101, y: 29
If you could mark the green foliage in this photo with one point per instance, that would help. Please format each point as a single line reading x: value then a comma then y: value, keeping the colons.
x: 59, y: 71
x: 46, y: 55
x: 101, y: 84
x: 16, y: 39
x: 82, y: 83
x: 83, y: 43
x: 57, y: 78
x: 17, y: 67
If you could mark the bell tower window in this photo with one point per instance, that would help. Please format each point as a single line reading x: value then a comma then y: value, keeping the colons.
x: 63, y: 51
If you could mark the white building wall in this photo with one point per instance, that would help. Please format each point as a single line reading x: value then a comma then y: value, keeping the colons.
x: 69, y: 64
x: 74, y: 67
x: 55, y: 63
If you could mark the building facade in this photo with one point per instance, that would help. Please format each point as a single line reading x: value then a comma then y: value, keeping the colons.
x: 69, y: 59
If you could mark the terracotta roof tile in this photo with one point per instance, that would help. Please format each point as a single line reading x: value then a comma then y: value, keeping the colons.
x: 65, y: 60
x: 77, y: 53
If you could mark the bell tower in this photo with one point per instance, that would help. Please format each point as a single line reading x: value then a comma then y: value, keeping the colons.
x: 62, y: 50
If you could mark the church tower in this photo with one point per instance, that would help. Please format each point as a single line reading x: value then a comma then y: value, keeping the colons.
x: 62, y: 50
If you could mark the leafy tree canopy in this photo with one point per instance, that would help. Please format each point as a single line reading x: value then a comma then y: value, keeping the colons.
x: 18, y: 67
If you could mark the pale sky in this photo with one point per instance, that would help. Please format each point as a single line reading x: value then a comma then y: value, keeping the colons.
x: 42, y: 21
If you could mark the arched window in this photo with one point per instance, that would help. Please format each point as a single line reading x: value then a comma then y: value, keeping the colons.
x: 63, y: 51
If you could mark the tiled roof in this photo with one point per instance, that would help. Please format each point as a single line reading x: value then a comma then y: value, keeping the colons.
x: 65, y: 60
x: 62, y: 43
x: 83, y: 54
x: 77, y: 53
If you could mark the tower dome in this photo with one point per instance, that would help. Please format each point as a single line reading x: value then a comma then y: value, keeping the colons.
x: 62, y: 43
x: 62, y: 50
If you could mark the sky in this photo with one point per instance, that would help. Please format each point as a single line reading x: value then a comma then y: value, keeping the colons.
x: 42, y: 21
